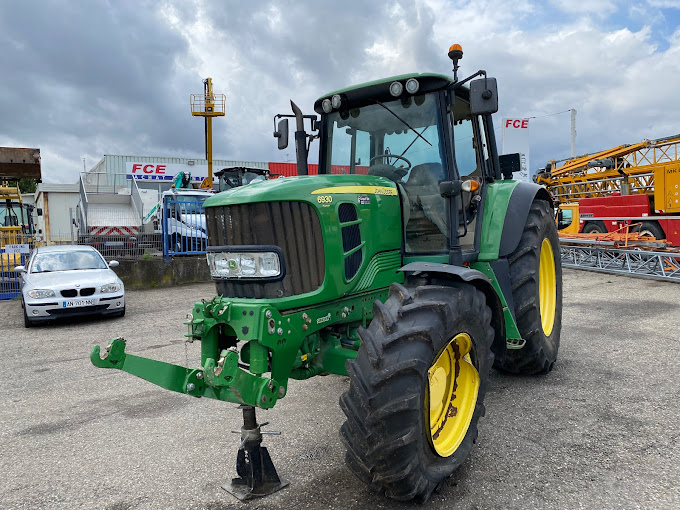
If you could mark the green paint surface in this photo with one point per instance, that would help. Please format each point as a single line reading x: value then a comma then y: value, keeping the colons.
x: 495, y: 209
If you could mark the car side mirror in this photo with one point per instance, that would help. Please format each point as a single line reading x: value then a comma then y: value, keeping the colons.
x: 19, y: 269
x: 281, y: 134
x: 113, y: 263
x: 483, y: 96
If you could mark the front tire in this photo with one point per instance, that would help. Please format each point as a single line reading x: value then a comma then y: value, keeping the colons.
x: 417, y: 388
x: 28, y: 323
x: 536, y: 279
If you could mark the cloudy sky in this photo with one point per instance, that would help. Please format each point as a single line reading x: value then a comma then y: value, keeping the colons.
x: 80, y: 79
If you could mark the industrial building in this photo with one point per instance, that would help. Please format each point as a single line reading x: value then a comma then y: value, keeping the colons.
x: 59, y: 201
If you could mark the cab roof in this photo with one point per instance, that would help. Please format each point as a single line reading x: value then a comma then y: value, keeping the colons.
x: 379, y: 89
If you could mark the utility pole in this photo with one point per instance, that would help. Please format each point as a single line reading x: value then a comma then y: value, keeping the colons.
x: 208, y: 105
x: 573, y: 132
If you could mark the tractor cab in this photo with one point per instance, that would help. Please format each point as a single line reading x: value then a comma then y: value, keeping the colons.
x: 16, y: 218
x: 430, y: 134
x: 236, y: 176
x: 419, y: 131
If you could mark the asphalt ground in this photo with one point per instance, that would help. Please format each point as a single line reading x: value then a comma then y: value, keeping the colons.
x: 601, y: 431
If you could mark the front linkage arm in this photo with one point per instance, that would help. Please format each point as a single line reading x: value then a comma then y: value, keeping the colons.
x: 270, y: 354
x: 221, y: 380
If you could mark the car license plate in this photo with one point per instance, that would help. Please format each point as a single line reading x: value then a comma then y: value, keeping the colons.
x: 78, y: 302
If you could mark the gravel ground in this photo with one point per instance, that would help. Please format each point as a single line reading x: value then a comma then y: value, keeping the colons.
x: 600, y: 431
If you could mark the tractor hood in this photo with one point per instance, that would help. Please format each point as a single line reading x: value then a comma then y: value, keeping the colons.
x: 333, y: 234
x: 306, y: 189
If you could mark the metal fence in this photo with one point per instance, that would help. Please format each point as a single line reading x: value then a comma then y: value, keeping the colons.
x: 184, y: 225
x: 121, y: 247
x: 14, y: 250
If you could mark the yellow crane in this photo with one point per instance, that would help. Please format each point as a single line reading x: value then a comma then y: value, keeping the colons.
x: 208, y: 105
x: 634, y: 185
x: 650, y: 167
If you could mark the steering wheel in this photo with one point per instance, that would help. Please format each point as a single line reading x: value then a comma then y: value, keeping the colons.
x: 395, y: 156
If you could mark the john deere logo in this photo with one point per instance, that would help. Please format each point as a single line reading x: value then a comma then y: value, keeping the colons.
x: 232, y: 264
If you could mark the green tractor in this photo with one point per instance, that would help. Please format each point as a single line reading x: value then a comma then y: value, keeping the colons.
x: 411, y: 263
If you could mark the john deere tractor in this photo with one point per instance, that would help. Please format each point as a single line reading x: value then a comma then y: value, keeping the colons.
x: 411, y: 263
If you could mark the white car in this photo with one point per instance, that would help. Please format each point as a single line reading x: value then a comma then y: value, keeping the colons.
x: 64, y: 281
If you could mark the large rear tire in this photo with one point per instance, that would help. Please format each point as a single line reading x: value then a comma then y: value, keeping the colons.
x: 536, y: 278
x: 417, y: 388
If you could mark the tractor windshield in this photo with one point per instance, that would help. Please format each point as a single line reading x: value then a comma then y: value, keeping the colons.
x: 403, y: 141
x: 387, y: 139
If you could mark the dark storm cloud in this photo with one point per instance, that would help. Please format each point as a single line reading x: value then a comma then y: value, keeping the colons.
x: 325, y: 39
x: 295, y: 50
x: 73, y: 71
x: 88, y: 78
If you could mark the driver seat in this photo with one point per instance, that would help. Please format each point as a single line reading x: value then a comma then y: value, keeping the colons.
x: 422, y: 188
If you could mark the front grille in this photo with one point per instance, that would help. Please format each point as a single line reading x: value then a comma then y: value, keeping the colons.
x: 87, y: 291
x: 292, y: 226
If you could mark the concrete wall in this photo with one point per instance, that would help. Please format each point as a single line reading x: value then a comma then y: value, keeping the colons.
x: 149, y: 273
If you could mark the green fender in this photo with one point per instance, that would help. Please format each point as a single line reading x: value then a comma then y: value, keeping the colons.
x: 506, y: 208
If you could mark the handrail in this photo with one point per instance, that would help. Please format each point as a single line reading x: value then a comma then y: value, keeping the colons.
x: 137, y: 202
x: 83, y: 200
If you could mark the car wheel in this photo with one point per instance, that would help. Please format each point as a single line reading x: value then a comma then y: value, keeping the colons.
x: 28, y: 323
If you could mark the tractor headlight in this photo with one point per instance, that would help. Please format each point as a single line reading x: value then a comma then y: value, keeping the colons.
x: 336, y: 100
x: 110, y: 287
x: 326, y: 105
x: 396, y: 88
x: 41, y: 293
x: 246, y: 264
x: 412, y: 86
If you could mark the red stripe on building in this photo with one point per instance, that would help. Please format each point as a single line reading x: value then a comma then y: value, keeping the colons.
x: 290, y: 169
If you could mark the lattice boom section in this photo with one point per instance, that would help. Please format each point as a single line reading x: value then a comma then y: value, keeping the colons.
x: 639, y: 263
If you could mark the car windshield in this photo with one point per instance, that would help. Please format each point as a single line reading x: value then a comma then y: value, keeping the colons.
x: 401, y: 134
x: 67, y: 261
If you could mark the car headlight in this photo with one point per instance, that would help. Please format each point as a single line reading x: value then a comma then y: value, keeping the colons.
x: 264, y: 264
x: 110, y: 287
x: 41, y: 293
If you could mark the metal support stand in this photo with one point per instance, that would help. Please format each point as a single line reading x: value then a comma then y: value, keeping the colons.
x: 257, y: 475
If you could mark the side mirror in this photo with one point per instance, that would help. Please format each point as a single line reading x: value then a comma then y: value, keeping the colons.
x: 483, y: 96
x: 19, y: 269
x: 282, y: 133
x: 510, y: 163
x: 113, y: 263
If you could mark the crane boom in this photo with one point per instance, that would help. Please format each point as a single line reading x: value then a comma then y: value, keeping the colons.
x: 628, y: 169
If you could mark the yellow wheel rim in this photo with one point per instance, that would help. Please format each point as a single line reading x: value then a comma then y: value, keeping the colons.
x: 451, y: 395
x: 547, y: 287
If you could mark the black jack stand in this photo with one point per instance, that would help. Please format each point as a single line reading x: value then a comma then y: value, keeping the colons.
x: 257, y: 475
